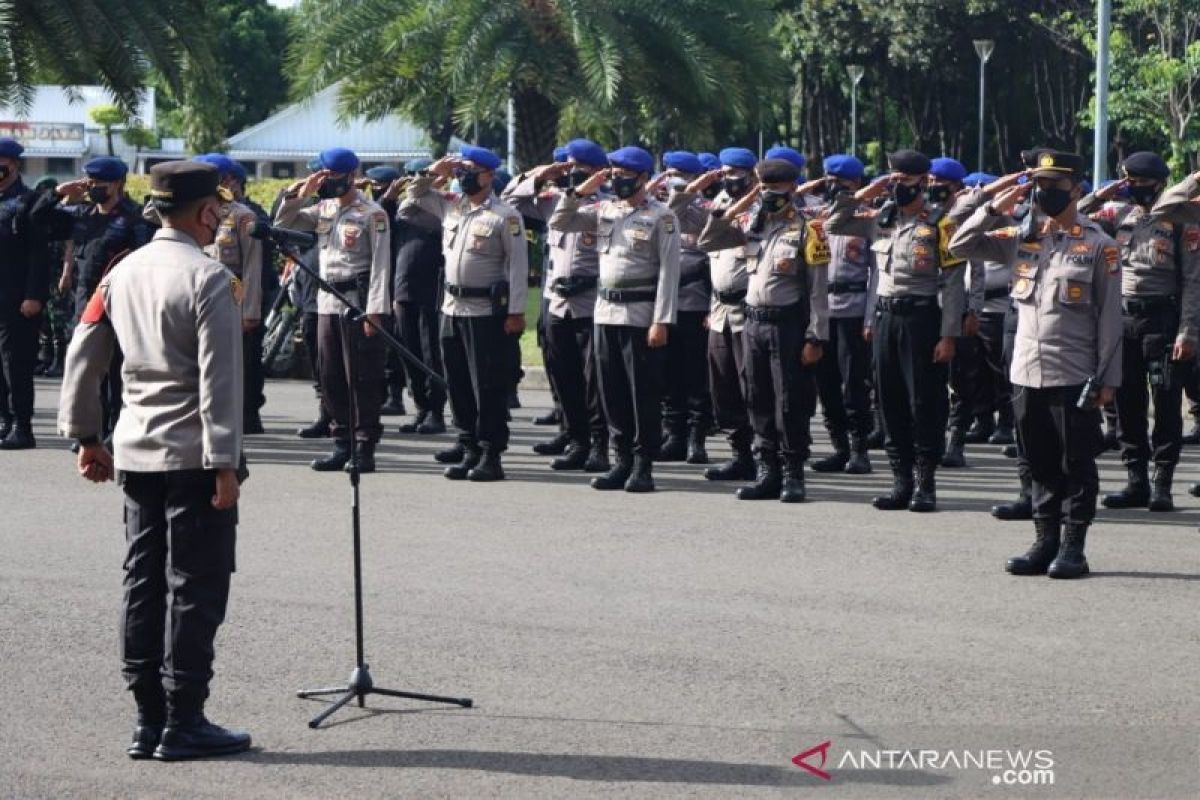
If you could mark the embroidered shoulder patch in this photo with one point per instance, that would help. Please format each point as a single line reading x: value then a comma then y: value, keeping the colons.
x: 381, y: 221
x: 514, y: 226
x: 1112, y: 258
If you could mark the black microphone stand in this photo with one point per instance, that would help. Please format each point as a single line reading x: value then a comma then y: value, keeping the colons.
x: 360, y: 684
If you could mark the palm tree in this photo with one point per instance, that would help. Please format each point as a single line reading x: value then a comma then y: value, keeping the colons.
x: 661, y: 70
x: 111, y: 42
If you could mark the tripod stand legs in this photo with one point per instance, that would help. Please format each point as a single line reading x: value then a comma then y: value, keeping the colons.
x: 360, y: 686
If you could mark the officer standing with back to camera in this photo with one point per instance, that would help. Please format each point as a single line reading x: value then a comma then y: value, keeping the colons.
x: 24, y: 289
x: 103, y: 224
x: 177, y: 452
x: 1067, y: 357
x: 570, y: 298
x: 487, y: 268
x: 913, y: 333
x: 638, y: 240
x: 1160, y: 295
x: 787, y: 324
x: 354, y: 240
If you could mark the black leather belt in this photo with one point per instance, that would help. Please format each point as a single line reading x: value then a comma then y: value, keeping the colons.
x: 994, y: 292
x: 774, y: 313
x: 351, y: 284
x: 731, y: 298
x: 572, y: 285
x: 851, y: 287
x: 906, y: 303
x: 468, y: 291
x: 1149, y: 305
x: 628, y: 295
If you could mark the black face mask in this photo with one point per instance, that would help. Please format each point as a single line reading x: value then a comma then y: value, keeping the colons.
x: 333, y: 187
x: 379, y: 191
x: 774, y: 202
x: 904, y: 193
x: 1143, y: 195
x: 577, y: 178
x: 735, y: 187
x: 624, y: 187
x: 1052, y: 201
x: 563, y: 181
x: 98, y: 194
x: 937, y: 194
x: 469, y: 183
x: 712, y: 191
x: 832, y: 190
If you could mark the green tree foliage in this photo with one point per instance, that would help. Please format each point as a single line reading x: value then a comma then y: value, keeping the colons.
x: 107, y: 117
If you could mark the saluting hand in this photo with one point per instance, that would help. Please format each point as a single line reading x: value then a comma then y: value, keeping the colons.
x: 876, y: 188
x: 72, y: 191
x: 1110, y: 191
x: 592, y: 184
x: 227, y: 490
x: 95, y: 463
x: 313, y: 182
x: 809, y: 187
x: 443, y: 167
x: 1000, y: 184
x: 1008, y: 199
x: 704, y: 181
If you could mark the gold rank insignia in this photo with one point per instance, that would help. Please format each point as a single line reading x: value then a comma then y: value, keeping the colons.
x: 514, y: 226
x: 925, y: 230
x: 1021, y: 286
x: 1081, y: 248
x: 1112, y: 258
x: 1047, y: 161
x: 1074, y: 292
x: 1076, y: 231
x: 239, y: 291
x: 920, y: 250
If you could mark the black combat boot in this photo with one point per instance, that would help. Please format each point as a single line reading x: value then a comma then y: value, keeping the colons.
x: 488, y: 469
x: 1036, y: 560
x: 615, y: 478
x: 575, y: 457
x: 6, y: 426
x: 1011, y: 451
x: 902, y: 488
x: 412, y: 425
x: 924, y: 499
x: 433, y: 423
x: 551, y: 417
x: 553, y: 447
x: 188, y: 734
x: 768, y: 482
x: 1019, y: 509
x: 318, y: 430
x: 1003, y: 433
x: 1136, y: 493
x: 335, y: 460
x: 364, y: 457
x: 460, y: 471
x: 791, y: 487
x: 875, y: 441
x: 1160, y: 488
x: 674, y: 447
x: 151, y: 717
x: 394, y: 407
x: 738, y: 468
x: 451, y: 455
x: 697, y: 452
x: 838, y: 459
x: 954, y: 456
x: 641, y: 478
x: 860, y: 459
x: 1070, y: 561
x: 981, y: 429
x: 55, y: 370
x: 597, y: 460
x: 20, y: 437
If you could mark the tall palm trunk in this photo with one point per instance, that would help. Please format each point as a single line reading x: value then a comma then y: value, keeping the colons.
x: 537, y: 127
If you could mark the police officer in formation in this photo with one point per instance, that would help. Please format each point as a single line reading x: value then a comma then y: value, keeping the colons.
x: 571, y: 289
x: 177, y: 453
x: 487, y: 266
x: 1160, y: 296
x: 639, y: 244
x: 1067, y: 359
x: 24, y: 289
x: 354, y: 241
x: 914, y: 333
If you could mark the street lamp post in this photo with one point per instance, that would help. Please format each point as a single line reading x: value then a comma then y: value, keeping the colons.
x: 983, y: 49
x: 856, y: 74
x: 1100, y: 132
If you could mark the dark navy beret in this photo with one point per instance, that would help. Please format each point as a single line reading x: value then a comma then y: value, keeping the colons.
x: 586, y: 152
x: 560, y: 153
x: 415, y: 165
x: 223, y: 163
x: 634, y: 158
x: 910, y: 162
x: 843, y: 165
x: 501, y: 180
x: 106, y: 168
x: 10, y: 148
x: 787, y: 154
x: 384, y: 173
x: 683, y: 161
x: 738, y: 157
x: 948, y: 169
x: 339, y: 159
x: 709, y: 161
x: 1145, y: 165
x: 777, y: 170
x: 480, y: 156
x: 978, y: 179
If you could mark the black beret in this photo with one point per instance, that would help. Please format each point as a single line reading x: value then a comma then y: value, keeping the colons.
x: 178, y: 182
x: 910, y: 162
x: 777, y: 170
x: 1054, y: 164
x: 1145, y: 165
x: 1030, y: 157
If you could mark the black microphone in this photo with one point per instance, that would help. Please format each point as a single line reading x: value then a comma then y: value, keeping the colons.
x: 302, y: 239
